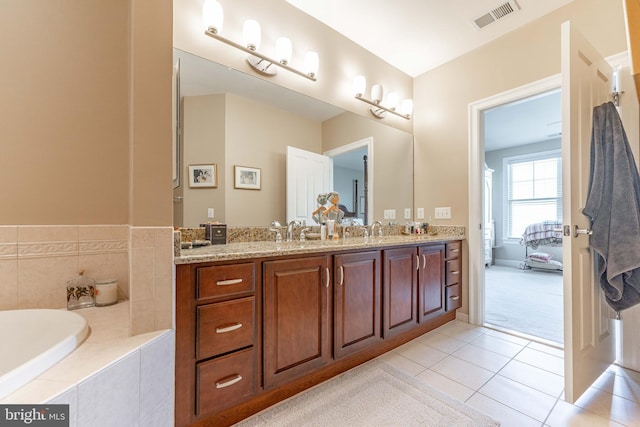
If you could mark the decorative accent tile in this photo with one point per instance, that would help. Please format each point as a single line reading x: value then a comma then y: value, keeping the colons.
x: 47, y: 249
x: 8, y: 250
x: 103, y: 246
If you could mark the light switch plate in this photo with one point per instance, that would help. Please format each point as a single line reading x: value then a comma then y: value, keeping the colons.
x: 443, y: 213
x: 420, y: 213
x: 210, y: 213
x: 392, y: 214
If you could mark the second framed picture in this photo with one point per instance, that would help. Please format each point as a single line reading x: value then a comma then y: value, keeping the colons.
x: 247, y: 178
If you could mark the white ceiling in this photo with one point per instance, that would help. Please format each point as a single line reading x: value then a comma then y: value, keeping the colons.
x: 418, y: 35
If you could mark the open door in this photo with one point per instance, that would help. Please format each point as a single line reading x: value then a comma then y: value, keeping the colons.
x: 589, y: 334
x: 308, y: 174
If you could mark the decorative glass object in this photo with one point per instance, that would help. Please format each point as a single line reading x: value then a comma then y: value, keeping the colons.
x: 81, y: 292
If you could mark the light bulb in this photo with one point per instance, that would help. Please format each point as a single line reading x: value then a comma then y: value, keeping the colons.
x: 212, y: 15
x: 311, y: 63
x: 392, y: 101
x: 251, y: 33
x: 359, y: 85
x: 407, y: 107
x: 376, y: 93
x: 283, y: 50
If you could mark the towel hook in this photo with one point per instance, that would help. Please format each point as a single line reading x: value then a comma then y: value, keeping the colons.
x: 577, y: 231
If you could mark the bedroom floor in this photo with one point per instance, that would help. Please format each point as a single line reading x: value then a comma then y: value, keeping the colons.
x: 529, y: 302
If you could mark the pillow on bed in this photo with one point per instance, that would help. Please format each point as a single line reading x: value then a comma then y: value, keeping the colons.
x: 540, y: 256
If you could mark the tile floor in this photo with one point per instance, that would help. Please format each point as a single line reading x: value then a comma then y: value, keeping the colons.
x: 514, y: 380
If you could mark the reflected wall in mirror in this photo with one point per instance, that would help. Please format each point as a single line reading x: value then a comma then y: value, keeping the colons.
x: 230, y: 118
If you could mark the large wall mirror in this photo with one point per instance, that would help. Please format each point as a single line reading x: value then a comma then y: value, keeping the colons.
x: 232, y: 123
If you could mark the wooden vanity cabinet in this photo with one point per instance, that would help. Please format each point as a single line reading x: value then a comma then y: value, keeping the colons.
x: 431, y: 300
x: 453, y: 276
x: 296, y: 318
x: 356, y: 302
x: 217, y: 338
x: 400, y: 295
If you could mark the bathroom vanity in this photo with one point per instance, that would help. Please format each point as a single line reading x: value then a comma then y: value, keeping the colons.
x: 259, y: 322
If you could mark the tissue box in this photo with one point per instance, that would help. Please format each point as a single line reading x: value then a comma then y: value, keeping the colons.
x: 215, y: 233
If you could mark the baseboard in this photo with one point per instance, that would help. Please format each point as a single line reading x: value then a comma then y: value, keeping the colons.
x: 463, y: 317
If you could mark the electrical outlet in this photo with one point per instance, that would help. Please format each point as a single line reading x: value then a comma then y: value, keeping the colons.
x: 210, y: 213
x: 407, y: 213
x: 443, y: 213
x: 386, y: 214
x: 392, y: 214
x: 420, y: 213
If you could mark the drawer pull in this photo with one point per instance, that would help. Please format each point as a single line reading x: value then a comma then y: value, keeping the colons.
x: 455, y: 297
x: 455, y: 250
x: 232, y: 381
x: 228, y: 282
x: 228, y: 328
x: 417, y: 262
x: 424, y: 261
x: 455, y: 272
x: 326, y: 278
x: 341, y: 282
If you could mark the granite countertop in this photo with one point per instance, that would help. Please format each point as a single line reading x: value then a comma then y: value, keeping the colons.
x: 246, y: 250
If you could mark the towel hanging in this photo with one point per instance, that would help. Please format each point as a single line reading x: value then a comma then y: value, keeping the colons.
x: 613, y: 206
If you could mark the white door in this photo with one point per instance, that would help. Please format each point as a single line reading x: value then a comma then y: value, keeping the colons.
x: 308, y: 174
x: 589, y: 338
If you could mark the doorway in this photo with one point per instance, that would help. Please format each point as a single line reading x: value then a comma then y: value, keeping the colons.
x: 522, y: 217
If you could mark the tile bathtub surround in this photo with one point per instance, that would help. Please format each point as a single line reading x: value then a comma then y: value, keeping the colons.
x: 37, y: 261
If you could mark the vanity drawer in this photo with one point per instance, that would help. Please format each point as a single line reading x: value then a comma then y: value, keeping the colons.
x: 452, y: 249
x: 225, y: 381
x: 453, y: 272
x: 225, y: 326
x: 224, y: 280
x: 453, y: 297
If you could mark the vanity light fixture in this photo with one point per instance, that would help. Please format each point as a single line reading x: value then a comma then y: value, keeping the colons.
x: 377, y: 95
x: 212, y: 16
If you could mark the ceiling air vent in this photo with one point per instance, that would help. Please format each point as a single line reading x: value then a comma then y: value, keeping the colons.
x: 497, y: 13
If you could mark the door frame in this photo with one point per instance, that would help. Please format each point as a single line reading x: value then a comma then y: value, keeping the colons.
x: 368, y: 143
x: 476, y: 184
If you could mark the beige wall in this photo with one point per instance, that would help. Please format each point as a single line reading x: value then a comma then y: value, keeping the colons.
x: 340, y: 58
x: 442, y: 96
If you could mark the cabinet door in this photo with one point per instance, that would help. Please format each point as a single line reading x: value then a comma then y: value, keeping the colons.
x: 356, y: 296
x: 400, y: 311
x: 296, y: 320
x: 431, y: 281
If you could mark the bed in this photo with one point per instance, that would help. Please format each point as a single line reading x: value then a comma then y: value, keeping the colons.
x: 546, y: 233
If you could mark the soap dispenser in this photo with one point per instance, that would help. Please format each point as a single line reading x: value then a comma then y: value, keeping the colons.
x: 81, y: 292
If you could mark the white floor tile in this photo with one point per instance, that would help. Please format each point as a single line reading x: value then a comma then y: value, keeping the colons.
x: 445, y: 385
x: 542, y: 360
x: 463, y: 372
x: 508, y: 417
x: 481, y: 357
x: 441, y: 342
x: 566, y: 415
x: 524, y: 399
x: 610, y: 406
x: 421, y: 353
x: 619, y: 385
x: 508, y: 337
x: 461, y: 331
x: 547, y: 349
x: 402, y: 363
x: 533, y: 377
x: 497, y: 345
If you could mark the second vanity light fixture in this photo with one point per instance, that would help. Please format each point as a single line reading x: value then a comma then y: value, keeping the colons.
x: 212, y: 17
x: 403, y: 110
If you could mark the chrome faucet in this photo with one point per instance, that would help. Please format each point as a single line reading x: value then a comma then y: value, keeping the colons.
x: 275, y: 227
x: 290, y: 229
x: 373, y: 227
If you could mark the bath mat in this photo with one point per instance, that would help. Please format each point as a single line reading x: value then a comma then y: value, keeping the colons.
x: 373, y: 394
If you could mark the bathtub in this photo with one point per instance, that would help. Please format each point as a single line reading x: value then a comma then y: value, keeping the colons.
x: 34, y: 340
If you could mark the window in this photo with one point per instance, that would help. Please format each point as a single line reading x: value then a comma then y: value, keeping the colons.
x: 534, y: 190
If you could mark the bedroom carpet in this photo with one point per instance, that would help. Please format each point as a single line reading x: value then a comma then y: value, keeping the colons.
x: 529, y: 301
x: 373, y: 394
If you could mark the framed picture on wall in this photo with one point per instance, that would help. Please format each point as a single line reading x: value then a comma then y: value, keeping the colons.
x: 247, y: 178
x: 203, y: 175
